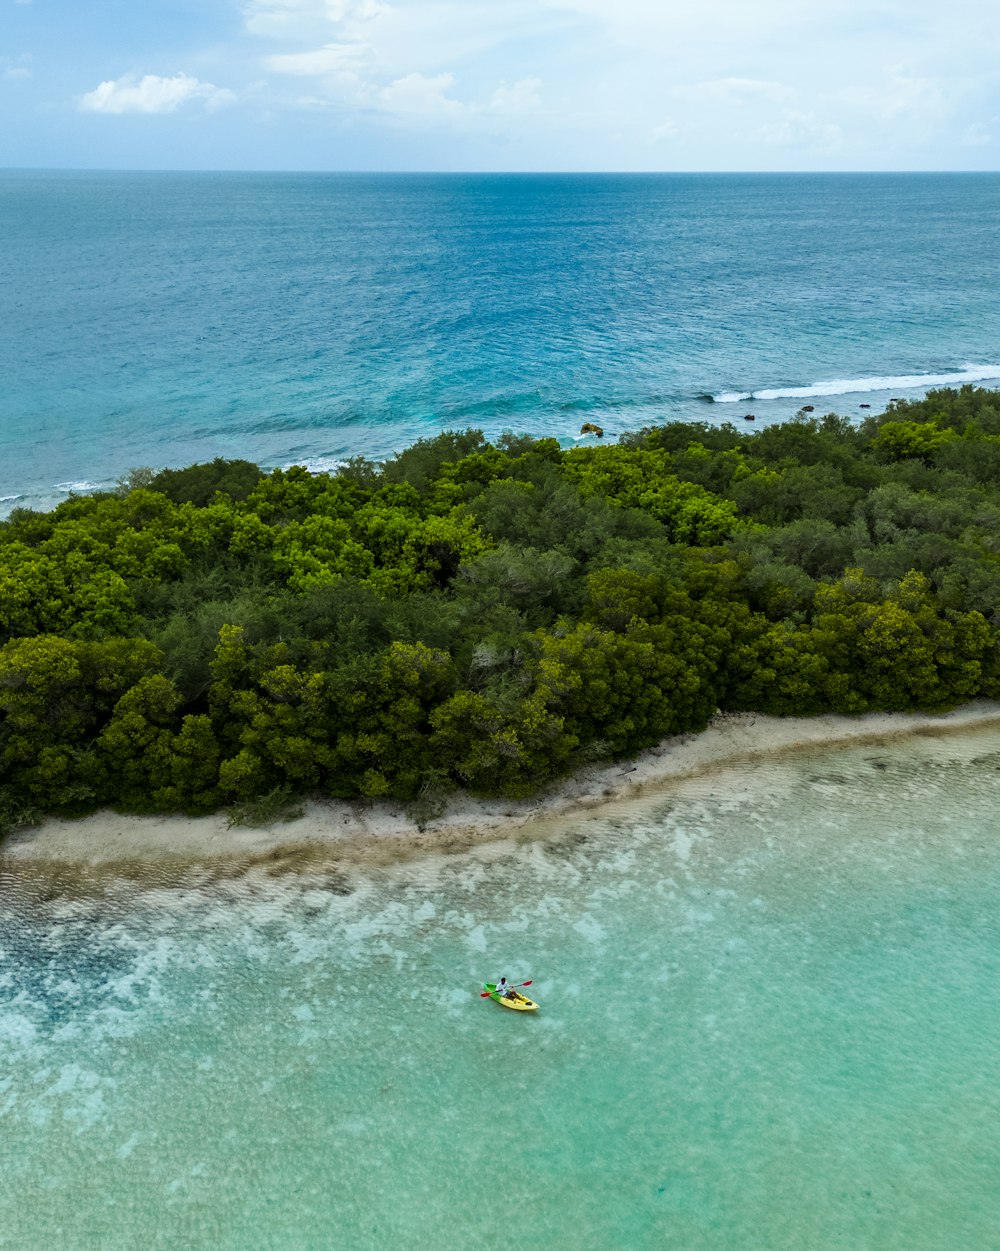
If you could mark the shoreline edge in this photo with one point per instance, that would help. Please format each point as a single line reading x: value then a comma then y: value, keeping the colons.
x: 383, y: 832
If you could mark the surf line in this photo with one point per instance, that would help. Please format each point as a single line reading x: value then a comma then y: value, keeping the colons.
x: 857, y: 386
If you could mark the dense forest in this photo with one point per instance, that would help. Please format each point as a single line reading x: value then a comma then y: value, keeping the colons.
x: 489, y: 616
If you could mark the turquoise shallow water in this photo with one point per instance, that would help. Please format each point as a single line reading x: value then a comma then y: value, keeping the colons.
x: 162, y: 319
x: 769, y: 1020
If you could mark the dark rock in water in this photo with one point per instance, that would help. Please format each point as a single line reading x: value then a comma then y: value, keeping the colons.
x: 807, y: 408
x: 588, y: 427
x: 864, y: 406
x: 749, y: 417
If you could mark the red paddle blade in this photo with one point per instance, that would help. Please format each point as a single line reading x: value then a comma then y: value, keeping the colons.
x: 525, y: 983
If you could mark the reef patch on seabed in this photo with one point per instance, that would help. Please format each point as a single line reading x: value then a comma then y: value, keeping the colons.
x: 68, y: 857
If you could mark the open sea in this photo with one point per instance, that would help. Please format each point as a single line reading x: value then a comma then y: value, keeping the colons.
x: 769, y: 1021
x: 163, y: 318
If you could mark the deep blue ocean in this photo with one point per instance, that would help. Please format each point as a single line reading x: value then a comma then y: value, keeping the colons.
x: 162, y: 318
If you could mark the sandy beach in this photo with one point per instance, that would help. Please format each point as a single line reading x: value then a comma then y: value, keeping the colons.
x: 383, y: 832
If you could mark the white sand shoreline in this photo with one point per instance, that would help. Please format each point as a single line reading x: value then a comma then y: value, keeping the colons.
x: 384, y: 832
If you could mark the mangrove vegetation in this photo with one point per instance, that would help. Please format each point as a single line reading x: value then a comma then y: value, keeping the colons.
x: 490, y: 615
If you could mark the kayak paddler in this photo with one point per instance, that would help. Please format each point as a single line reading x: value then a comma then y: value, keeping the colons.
x: 504, y: 989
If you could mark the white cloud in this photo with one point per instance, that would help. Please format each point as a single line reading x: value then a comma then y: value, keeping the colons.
x: 652, y: 23
x: 277, y: 17
x: 332, y: 59
x: 19, y: 69
x: 420, y: 97
x: 666, y: 130
x: 312, y: 104
x: 976, y: 136
x: 410, y: 36
x: 398, y: 59
x: 723, y: 82
x: 152, y: 94
x: 801, y: 130
x: 901, y: 94
x: 519, y: 97
x: 308, y: 19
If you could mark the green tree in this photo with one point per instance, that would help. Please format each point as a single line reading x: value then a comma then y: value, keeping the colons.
x: 54, y: 695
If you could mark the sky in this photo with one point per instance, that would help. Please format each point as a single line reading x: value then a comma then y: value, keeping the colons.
x: 500, y: 84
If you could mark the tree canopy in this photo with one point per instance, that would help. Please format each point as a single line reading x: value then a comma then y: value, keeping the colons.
x: 489, y: 615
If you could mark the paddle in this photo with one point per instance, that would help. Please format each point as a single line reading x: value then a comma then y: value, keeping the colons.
x: 488, y: 994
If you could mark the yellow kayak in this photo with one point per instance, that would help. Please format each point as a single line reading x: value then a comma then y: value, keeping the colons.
x: 517, y: 1001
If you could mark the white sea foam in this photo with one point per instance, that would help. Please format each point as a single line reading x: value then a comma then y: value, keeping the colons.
x: 318, y: 464
x: 858, y: 386
x: 70, y: 488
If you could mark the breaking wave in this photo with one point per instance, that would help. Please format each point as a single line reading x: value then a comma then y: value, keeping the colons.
x: 855, y: 386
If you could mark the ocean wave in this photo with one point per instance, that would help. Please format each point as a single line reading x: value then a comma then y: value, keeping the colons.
x: 48, y: 497
x: 70, y: 488
x: 318, y: 464
x: 856, y: 386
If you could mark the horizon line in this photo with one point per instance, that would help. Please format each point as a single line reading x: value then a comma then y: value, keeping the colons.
x: 496, y: 173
